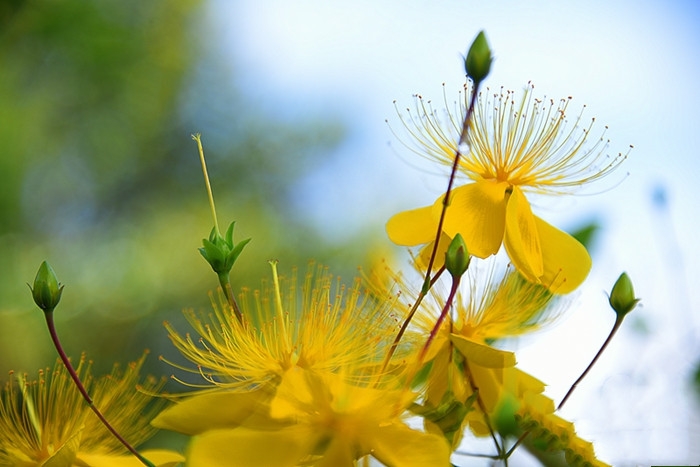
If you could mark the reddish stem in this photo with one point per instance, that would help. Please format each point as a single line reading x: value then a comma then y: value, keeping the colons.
x: 616, y: 326
x: 83, y: 391
x: 441, y: 318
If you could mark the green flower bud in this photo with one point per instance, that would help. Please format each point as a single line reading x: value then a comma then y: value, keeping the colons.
x: 46, y: 291
x: 622, y: 298
x: 221, y: 253
x: 478, y: 61
x: 457, y: 257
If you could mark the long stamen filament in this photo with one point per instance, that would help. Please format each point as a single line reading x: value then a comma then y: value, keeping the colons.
x: 278, y: 306
x: 428, y: 282
x: 198, y: 138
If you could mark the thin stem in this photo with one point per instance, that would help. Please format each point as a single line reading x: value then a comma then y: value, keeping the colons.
x: 225, y: 284
x: 616, y: 326
x: 428, y: 282
x: 406, y: 322
x: 436, y: 328
x: 517, y: 443
x: 482, y: 407
x: 83, y: 391
x: 450, y: 183
x: 441, y: 318
x: 198, y: 139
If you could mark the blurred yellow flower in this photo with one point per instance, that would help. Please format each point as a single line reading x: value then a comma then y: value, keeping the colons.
x: 300, y: 380
x: 321, y: 420
x: 515, y: 146
x: 47, y: 423
x: 463, y: 356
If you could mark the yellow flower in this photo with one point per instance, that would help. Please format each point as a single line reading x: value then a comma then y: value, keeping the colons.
x: 47, y: 423
x: 321, y: 420
x: 320, y: 325
x: 516, y: 146
x: 300, y: 379
x: 462, y: 356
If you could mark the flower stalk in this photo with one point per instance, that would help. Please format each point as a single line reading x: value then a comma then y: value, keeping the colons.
x: 622, y: 301
x: 47, y: 294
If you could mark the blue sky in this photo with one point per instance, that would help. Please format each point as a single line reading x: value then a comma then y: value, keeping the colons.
x: 635, y: 65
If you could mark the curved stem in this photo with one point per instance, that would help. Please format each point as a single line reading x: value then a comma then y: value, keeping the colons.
x: 406, y: 322
x: 482, y: 407
x: 441, y: 318
x: 450, y: 183
x: 616, y: 326
x: 428, y: 281
x: 74, y: 376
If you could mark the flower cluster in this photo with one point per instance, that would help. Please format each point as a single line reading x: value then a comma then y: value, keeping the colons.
x: 303, y: 372
x: 307, y: 370
x: 328, y: 374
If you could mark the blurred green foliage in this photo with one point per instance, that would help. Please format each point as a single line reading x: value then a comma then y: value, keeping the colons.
x: 99, y: 175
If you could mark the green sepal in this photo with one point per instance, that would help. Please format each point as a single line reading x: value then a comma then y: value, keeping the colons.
x: 448, y: 416
x: 221, y: 252
x: 457, y: 257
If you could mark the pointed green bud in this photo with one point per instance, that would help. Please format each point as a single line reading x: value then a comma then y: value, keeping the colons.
x: 221, y: 252
x: 478, y: 61
x: 46, y: 290
x: 622, y: 298
x: 457, y: 257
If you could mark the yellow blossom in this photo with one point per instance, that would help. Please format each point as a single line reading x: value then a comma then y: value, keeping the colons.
x: 47, y: 423
x: 325, y: 421
x: 462, y: 356
x: 299, y: 380
x: 515, y: 146
x: 321, y: 325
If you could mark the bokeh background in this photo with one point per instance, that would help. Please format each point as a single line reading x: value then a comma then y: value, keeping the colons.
x: 99, y: 175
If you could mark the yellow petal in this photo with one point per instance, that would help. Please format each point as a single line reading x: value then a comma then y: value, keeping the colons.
x: 339, y: 454
x: 242, y: 447
x: 477, y: 211
x: 397, y: 444
x: 482, y: 354
x: 294, y: 392
x: 438, y: 378
x: 423, y: 258
x: 522, y: 239
x: 413, y: 227
x: 159, y: 457
x: 214, y: 410
x: 66, y: 454
x: 566, y: 261
x: 489, y: 381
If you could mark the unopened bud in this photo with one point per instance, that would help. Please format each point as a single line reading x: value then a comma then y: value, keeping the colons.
x: 622, y: 298
x: 46, y: 291
x: 457, y: 257
x: 478, y: 61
